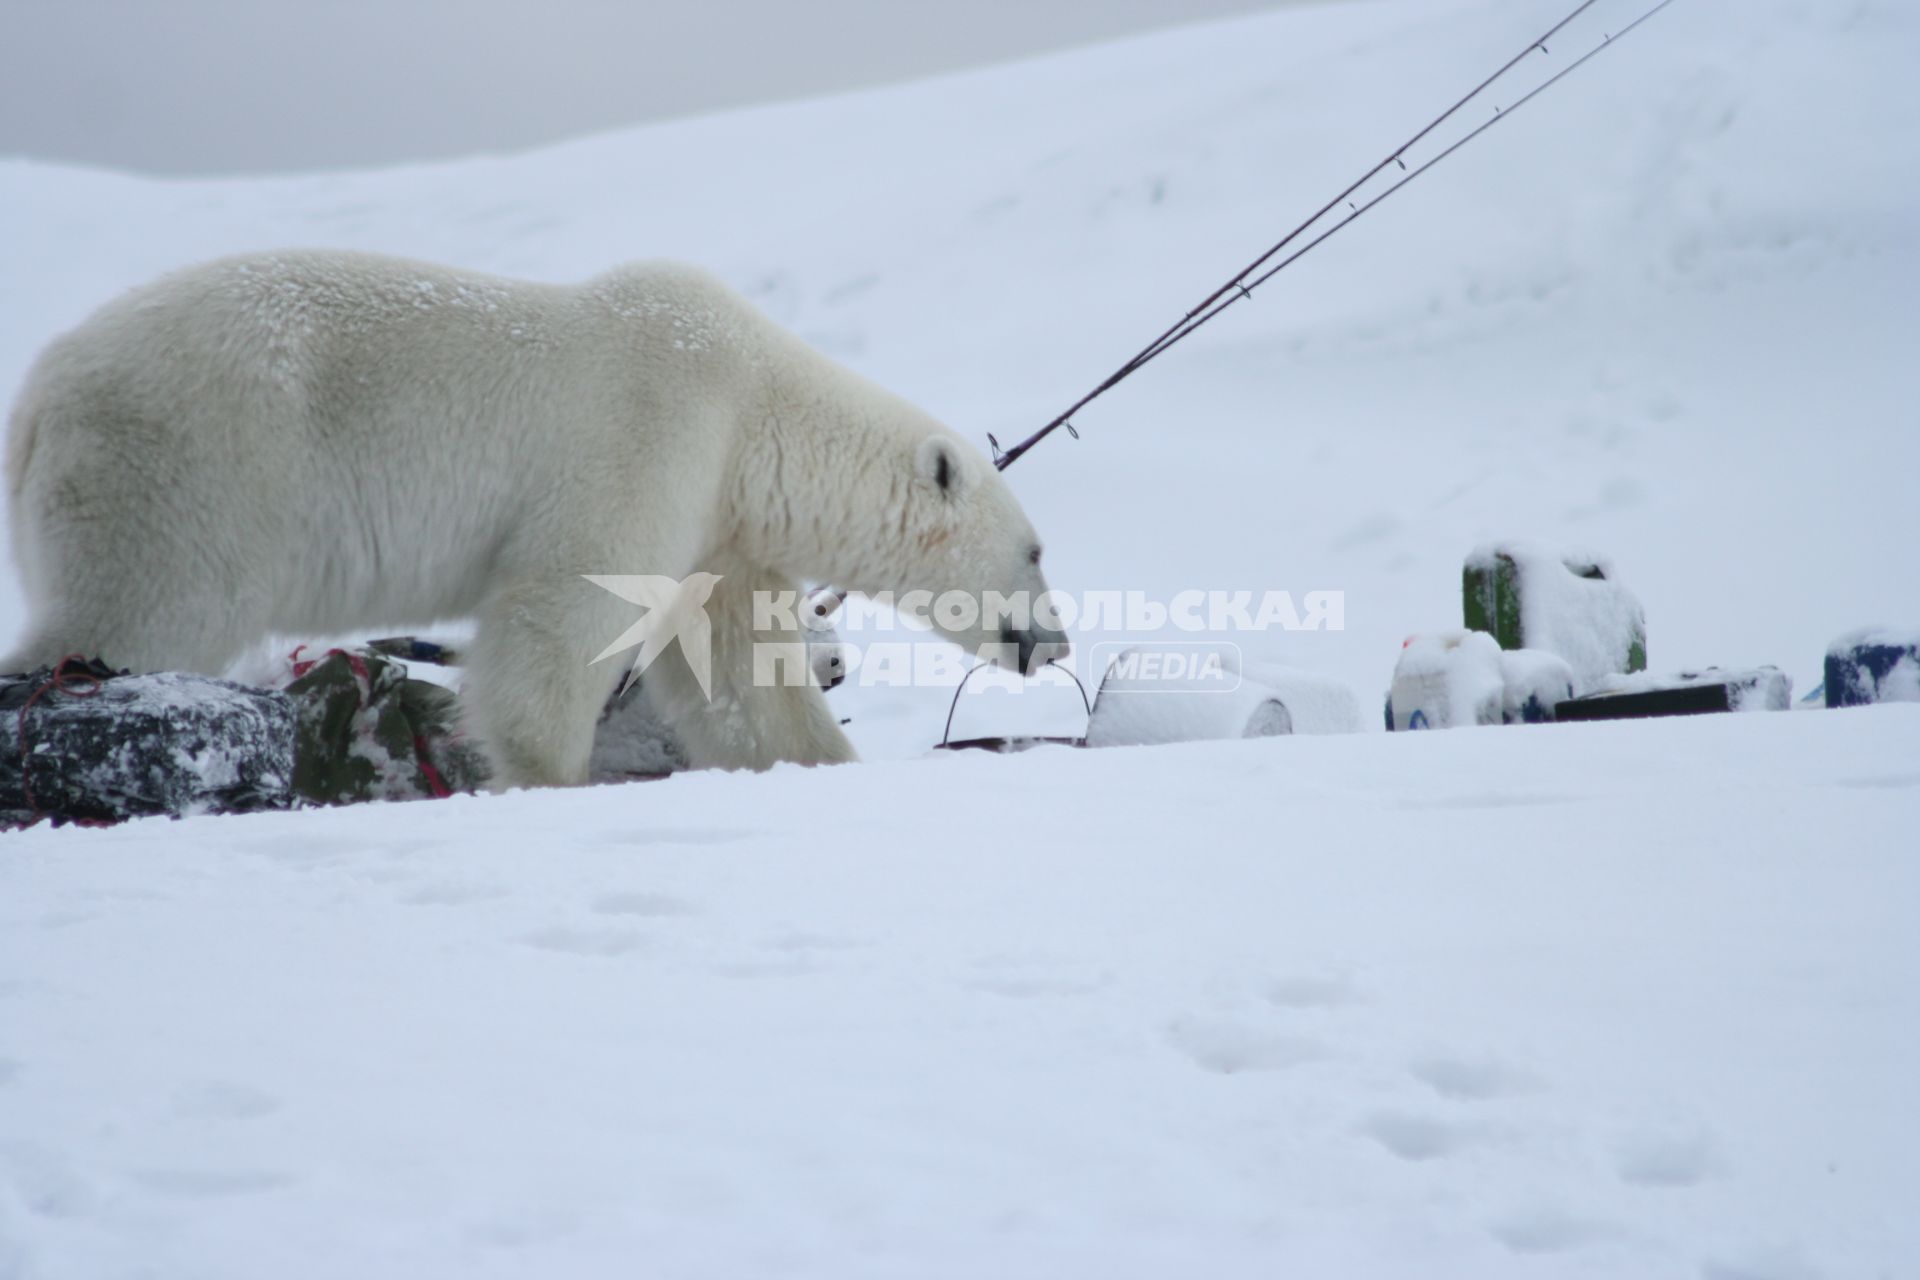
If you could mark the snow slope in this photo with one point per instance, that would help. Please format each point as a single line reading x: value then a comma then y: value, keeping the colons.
x: 1580, y: 1000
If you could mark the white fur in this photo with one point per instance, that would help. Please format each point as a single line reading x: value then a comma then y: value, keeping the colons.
x: 319, y: 442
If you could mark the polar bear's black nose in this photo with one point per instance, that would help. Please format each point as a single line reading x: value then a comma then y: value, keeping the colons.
x: 1037, y: 646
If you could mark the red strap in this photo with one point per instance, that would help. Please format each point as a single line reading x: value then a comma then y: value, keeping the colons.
x: 75, y: 684
x: 435, y: 783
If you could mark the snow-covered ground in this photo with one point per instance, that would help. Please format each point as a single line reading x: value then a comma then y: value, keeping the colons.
x: 1571, y: 1000
x: 1576, y: 1000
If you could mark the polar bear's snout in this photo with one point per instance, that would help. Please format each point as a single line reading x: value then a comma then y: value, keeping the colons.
x: 1037, y: 645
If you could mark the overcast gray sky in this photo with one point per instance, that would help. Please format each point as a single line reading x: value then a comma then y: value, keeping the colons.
x: 226, y: 86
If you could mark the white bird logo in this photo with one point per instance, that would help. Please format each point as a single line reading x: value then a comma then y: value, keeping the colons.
x: 675, y: 610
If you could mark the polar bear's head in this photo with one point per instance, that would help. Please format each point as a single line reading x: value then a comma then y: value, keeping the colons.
x: 961, y: 553
x: 841, y: 481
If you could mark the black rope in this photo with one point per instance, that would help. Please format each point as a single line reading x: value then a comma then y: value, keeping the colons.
x: 1239, y: 287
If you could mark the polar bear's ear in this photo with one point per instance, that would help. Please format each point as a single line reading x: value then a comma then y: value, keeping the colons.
x: 940, y: 465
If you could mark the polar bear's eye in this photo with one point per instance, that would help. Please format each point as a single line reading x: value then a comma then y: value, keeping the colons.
x: 1033, y: 556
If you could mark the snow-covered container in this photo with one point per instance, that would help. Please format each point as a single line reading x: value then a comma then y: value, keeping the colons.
x: 1535, y: 683
x: 1447, y: 680
x: 1529, y: 596
x: 1139, y: 705
x: 1877, y: 664
x: 1450, y: 679
x: 1315, y: 703
x: 1639, y: 696
x: 1139, y: 718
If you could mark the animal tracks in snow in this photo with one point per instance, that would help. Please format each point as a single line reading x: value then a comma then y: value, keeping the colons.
x: 1437, y: 1108
x: 604, y: 924
x: 44, y: 1183
x: 450, y: 893
x: 1668, y: 1160
x: 201, y: 1184
x: 1766, y: 1264
x: 590, y: 941
x: 1544, y: 1229
x: 639, y: 903
x: 1470, y: 1079
x: 1269, y: 1037
x: 1230, y: 1046
x: 790, y: 953
x: 1312, y: 991
x: 1418, y: 1137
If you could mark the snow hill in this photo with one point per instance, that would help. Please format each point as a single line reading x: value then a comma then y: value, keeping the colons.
x: 1571, y: 1000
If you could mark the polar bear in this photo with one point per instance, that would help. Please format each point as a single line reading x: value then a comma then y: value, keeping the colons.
x: 318, y: 441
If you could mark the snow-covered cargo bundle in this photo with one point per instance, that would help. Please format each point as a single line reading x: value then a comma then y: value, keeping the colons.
x: 1640, y: 696
x: 366, y: 731
x: 1876, y: 664
x: 1452, y: 679
x: 94, y: 745
x: 1143, y: 703
x: 370, y: 731
x: 1529, y: 596
x: 90, y: 744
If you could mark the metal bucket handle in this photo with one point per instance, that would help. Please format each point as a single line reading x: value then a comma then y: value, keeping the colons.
x: 946, y: 735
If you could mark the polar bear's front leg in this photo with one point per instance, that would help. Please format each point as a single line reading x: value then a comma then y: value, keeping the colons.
x: 532, y: 693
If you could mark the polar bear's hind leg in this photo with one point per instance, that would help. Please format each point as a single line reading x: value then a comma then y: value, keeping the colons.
x: 103, y: 565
